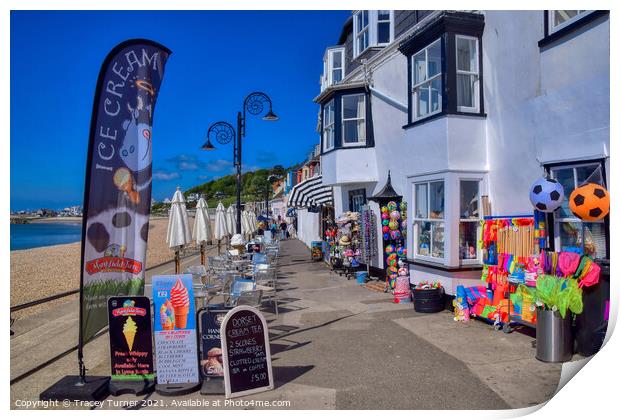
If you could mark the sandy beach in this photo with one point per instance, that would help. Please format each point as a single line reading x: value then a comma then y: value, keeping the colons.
x: 40, y: 272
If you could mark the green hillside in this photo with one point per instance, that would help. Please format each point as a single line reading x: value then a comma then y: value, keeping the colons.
x: 254, y: 186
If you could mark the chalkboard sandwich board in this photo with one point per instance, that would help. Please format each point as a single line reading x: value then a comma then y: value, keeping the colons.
x: 211, y: 353
x: 131, y: 346
x: 247, y: 356
x: 176, y: 344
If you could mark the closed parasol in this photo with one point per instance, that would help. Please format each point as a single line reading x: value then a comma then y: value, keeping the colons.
x: 202, y: 227
x: 179, y: 234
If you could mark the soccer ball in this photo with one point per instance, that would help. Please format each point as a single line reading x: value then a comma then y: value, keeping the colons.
x: 547, y: 195
x: 589, y: 202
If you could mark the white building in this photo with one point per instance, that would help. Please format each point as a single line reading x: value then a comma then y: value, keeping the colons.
x: 461, y: 105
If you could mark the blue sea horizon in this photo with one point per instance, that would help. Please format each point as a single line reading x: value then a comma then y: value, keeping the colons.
x: 36, y: 235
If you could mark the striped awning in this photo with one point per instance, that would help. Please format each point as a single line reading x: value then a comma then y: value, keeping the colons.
x: 310, y: 192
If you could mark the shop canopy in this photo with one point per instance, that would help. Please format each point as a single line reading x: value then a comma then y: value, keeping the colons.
x: 310, y: 192
x: 387, y: 193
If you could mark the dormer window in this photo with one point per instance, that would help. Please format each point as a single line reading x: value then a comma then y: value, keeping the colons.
x: 384, y: 27
x: 333, y: 66
x: 372, y: 28
x: 361, y: 31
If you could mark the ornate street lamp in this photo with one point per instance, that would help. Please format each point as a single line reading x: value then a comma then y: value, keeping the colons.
x: 222, y: 132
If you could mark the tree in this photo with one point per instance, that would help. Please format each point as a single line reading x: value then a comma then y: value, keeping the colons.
x: 278, y: 171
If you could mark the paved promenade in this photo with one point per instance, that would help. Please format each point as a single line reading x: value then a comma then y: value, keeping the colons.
x: 335, y: 345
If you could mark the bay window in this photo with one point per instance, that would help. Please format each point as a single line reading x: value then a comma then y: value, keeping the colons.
x: 372, y: 28
x: 445, y: 68
x: 346, y: 120
x: 570, y: 232
x: 428, y: 219
x: 353, y: 119
x: 446, y: 211
x: 469, y: 219
x: 467, y: 74
x: 426, y: 84
x: 329, y: 124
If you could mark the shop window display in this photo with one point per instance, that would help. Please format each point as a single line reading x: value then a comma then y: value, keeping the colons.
x: 570, y: 232
x: 469, y: 217
x: 428, y: 222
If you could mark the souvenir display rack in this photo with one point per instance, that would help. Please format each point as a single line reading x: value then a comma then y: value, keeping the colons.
x: 346, y: 252
x: 369, y: 237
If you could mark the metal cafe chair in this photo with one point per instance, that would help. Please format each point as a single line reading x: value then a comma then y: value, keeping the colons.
x: 259, y: 258
x: 198, y: 272
x: 266, y: 281
x: 250, y: 298
x: 238, y: 286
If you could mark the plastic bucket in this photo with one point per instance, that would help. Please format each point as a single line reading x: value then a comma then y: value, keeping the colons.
x: 361, y: 277
x: 428, y: 300
x: 554, y: 338
x: 592, y: 322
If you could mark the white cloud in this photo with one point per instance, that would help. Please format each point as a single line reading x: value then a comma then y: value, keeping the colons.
x: 187, y: 166
x: 218, y: 165
x: 165, y: 176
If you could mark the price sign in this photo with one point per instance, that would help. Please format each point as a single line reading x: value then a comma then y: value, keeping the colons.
x: 175, y: 330
x: 247, y: 356
x: 131, y: 349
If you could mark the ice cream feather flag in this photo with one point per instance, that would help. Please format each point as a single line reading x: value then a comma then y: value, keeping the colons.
x: 117, y: 193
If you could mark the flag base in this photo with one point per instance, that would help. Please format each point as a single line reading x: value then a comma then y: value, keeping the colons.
x: 94, y: 388
x: 136, y: 388
x: 176, y: 389
x: 212, y: 386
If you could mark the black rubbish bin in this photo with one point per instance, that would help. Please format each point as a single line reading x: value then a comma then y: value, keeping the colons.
x: 591, y: 324
x: 428, y: 300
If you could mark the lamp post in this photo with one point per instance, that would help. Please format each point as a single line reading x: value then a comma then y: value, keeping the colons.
x: 223, y: 133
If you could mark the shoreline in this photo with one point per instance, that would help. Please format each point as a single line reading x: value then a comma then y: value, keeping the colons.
x: 28, y: 220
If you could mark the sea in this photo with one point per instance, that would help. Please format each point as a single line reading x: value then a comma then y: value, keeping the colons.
x: 35, y: 235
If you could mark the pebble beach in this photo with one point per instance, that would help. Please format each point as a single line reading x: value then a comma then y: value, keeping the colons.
x: 40, y: 272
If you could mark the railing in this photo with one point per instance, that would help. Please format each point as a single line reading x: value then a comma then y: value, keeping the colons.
x: 41, y: 301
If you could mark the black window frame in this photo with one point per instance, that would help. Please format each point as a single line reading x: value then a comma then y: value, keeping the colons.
x: 551, y: 216
x: 357, y: 191
x: 446, y: 27
x: 337, y: 97
x: 568, y: 30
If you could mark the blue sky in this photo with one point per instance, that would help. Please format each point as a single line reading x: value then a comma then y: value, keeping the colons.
x: 217, y: 58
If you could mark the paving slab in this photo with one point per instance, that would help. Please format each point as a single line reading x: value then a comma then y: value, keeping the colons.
x: 337, y: 345
x: 506, y: 363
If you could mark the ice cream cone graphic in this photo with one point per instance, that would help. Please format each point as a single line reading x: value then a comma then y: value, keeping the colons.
x: 179, y: 297
x: 129, y: 331
x: 166, y: 315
